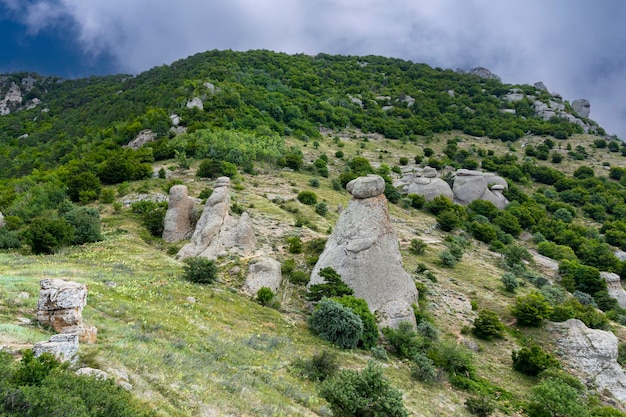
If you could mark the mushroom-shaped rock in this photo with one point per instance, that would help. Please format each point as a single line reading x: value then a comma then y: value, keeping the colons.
x: 366, y: 187
x: 614, y: 286
x: 263, y: 273
x: 429, y: 172
x: 363, y: 249
x: 180, y: 214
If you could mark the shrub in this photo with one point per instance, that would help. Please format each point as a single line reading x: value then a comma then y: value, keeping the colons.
x: 360, y: 308
x: 484, y: 208
x: 418, y: 247
x: 531, y: 309
x: 319, y: 367
x: 107, y: 196
x: 314, y: 182
x: 392, y: 194
x: 555, y: 251
x: 448, y: 220
x: 448, y: 259
x: 362, y: 394
x: 423, y: 368
x: 200, y: 270
x: 9, y: 239
x: 264, y: 296
x: 427, y: 329
x: 553, y: 397
x: 153, y: 220
x: 488, y: 326
x: 299, y: 277
x: 295, y: 244
x: 454, y: 359
x: 531, y: 361
x: 209, y: 168
x: 339, y: 154
x: 404, y: 340
x: 46, y: 235
x: 333, y: 286
x: 404, y: 160
x: 480, y: 406
x: 307, y: 197
x: 510, y: 282
x: 83, y: 187
x: 439, y: 204
x: 86, y: 223
x: 484, y: 232
x: 321, y: 209
x: 337, y: 324
x: 417, y: 201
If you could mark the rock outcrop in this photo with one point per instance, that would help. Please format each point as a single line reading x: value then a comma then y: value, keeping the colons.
x: 217, y: 232
x: 582, y: 107
x: 593, y: 355
x: 60, y: 306
x: 483, y: 72
x: 614, y: 286
x: 143, y: 137
x: 427, y: 185
x: 2, y: 221
x: 195, y: 102
x: 263, y: 273
x: 180, y: 216
x: 472, y: 185
x: 64, y: 347
x: 11, y: 100
x: 363, y: 249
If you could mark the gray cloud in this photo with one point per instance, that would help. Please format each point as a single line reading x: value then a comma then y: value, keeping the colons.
x: 574, y: 46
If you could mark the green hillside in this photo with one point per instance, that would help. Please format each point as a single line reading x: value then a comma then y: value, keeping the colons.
x: 278, y: 125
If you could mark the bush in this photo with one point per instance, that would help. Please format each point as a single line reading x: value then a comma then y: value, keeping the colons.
x: 153, y: 220
x: 488, y: 326
x: 418, y: 247
x: 484, y: 232
x: 448, y: 259
x: 9, y: 239
x: 417, y: 201
x: 360, y: 308
x: 448, y: 220
x: 299, y: 278
x: 392, y: 194
x: 200, y: 270
x: 531, y: 310
x: 404, y: 340
x: 86, y: 223
x: 314, y: 182
x: 423, y: 368
x: 333, y: 286
x: 319, y: 367
x: 337, y: 324
x: 404, y: 160
x: 107, y: 196
x: 47, y: 235
x: 363, y: 394
x: 264, y: 296
x: 295, y: 244
x: 533, y: 361
x: 83, y: 187
x: 307, y: 197
x: 321, y: 209
x: 510, y: 282
x: 454, y: 359
x: 480, y: 406
x: 484, y: 208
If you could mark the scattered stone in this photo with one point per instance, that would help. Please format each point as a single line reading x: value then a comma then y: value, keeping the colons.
x: 217, y: 232
x: 234, y: 271
x: 266, y: 272
x: 24, y: 320
x: 180, y: 216
x: 191, y: 300
x: 135, y: 198
x: 125, y: 385
x: 64, y: 347
x: 363, y: 249
x: 195, y: 102
x: 174, y: 119
x: 614, y: 286
x: 592, y: 354
x: 23, y: 295
x: 143, y: 137
x: 96, y: 373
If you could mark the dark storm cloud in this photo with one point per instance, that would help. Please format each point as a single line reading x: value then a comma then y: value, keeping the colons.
x: 574, y: 46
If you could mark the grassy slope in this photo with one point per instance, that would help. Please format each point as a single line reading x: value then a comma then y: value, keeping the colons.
x: 224, y: 354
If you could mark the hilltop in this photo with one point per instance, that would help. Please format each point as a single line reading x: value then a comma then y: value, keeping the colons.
x: 278, y: 125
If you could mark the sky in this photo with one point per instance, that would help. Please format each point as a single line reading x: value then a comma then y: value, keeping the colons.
x: 575, y: 47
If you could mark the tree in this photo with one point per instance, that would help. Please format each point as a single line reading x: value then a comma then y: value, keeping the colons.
x: 337, y: 324
x: 360, y: 308
x: 46, y: 235
x: 363, y: 394
x: 554, y: 398
x: 333, y: 286
x: 86, y: 223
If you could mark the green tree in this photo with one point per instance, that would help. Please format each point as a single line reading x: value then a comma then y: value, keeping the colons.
x: 337, y: 324
x: 333, y: 286
x: 360, y: 308
x: 47, y: 235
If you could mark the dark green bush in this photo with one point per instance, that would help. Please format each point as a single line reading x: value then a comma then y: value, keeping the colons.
x: 299, y: 277
x: 453, y: 358
x: 321, y: 209
x: 83, y: 187
x: 265, y: 295
x: 392, y: 193
x: 86, y: 223
x: 405, y: 342
x: 531, y: 309
x: 200, y: 270
x: 418, y: 247
x: 9, y: 239
x: 423, y: 368
x: 480, y: 406
x: 417, y: 201
x: 488, y: 326
x: 448, y: 220
x: 307, y: 197
x: 448, y: 259
x: 319, y: 367
x: 337, y: 324
x: 47, y: 235
x: 439, y: 204
x: 360, y: 308
x: 532, y: 361
x: 363, y: 394
x: 333, y: 286
x: 484, y: 208
x: 510, y: 282
x: 295, y: 244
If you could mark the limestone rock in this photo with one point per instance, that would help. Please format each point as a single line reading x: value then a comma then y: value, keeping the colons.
x: 11, y: 100
x: 263, y: 273
x: 592, y: 354
x: 470, y: 185
x: 174, y: 119
x: 195, y: 102
x: 180, y: 215
x: 540, y: 86
x: 217, y: 231
x: 2, y: 221
x: 143, y: 137
x: 483, y: 72
x: 366, y: 187
x: 64, y: 347
x: 582, y: 107
x: 363, y: 249
x: 614, y: 286
x: 96, y: 373
x: 60, y: 306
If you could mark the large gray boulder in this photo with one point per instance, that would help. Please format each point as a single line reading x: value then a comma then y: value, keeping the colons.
x: 64, y: 347
x: 217, y: 232
x: 60, y: 306
x: 582, y: 107
x: 180, y: 215
x: 470, y: 185
x: 363, y: 249
x: 265, y: 272
x: 614, y: 286
x: 195, y: 102
x: 429, y: 187
x: 592, y: 354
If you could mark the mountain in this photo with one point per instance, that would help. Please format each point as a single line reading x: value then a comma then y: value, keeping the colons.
x: 87, y: 164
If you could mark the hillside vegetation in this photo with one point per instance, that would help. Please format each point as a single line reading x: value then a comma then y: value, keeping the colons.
x: 74, y: 202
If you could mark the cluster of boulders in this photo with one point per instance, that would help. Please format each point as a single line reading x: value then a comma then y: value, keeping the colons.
x: 363, y: 249
x: 468, y: 185
x: 60, y: 306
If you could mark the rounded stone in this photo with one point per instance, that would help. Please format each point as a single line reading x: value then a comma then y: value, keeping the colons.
x: 222, y: 182
x: 366, y: 187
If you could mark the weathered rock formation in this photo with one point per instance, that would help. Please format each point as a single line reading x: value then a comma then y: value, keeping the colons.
x: 483, y: 72
x: 539, y: 85
x: 614, y: 286
x: 11, y: 100
x: 64, y: 347
x: 363, y: 249
x: 180, y: 216
x: 217, y: 232
x: 2, y: 221
x: 593, y: 355
x: 472, y: 185
x: 143, y: 137
x: 195, y: 102
x: 427, y: 185
x: 263, y: 273
x: 582, y: 107
x: 60, y: 306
